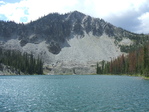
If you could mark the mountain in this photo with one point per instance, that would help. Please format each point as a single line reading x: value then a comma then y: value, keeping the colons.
x: 69, y: 43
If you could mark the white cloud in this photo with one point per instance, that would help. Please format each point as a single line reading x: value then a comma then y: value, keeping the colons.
x: 48, y: 6
x: 13, y: 11
x: 2, y: 2
x: 33, y: 9
x: 144, y: 27
x: 102, y: 8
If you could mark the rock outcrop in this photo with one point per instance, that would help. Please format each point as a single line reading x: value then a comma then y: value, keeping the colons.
x: 72, y: 38
x: 7, y: 70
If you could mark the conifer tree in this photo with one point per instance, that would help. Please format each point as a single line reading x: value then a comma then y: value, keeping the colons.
x: 136, y: 62
x: 21, y: 62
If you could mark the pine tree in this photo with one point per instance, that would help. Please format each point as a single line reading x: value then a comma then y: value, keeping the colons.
x: 136, y: 62
x: 146, y: 62
x: 21, y: 62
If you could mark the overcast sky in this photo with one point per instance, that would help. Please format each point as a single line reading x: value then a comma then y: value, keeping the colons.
x: 132, y: 15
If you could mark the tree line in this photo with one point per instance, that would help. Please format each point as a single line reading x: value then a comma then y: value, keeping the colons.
x: 136, y: 62
x: 23, y: 62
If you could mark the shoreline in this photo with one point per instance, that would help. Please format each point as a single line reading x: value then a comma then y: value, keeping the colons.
x: 134, y: 75
x: 137, y: 75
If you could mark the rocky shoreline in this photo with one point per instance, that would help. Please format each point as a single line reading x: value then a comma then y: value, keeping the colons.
x: 7, y: 70
x: 63, y: 68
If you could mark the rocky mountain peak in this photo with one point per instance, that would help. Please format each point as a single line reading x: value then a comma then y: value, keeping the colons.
x: 76, y: 15
x: 66, y: 37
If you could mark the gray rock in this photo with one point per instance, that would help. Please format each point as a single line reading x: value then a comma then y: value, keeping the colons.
x: 73, y: 37
x: 7, y: 70
x: 54, y: 47
x: 23, y: 42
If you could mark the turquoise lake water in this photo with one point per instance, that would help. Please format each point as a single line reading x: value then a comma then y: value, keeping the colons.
x: 74, y: 93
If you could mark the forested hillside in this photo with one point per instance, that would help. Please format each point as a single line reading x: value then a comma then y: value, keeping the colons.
x: 136, y: 62
x: 23, y: 62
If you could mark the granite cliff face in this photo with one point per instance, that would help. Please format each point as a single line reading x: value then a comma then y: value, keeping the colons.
x: 69, y: 42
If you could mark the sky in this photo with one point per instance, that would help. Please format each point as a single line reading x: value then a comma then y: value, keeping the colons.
x: 132, y: 15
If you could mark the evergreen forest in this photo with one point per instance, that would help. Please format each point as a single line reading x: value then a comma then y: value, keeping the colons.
x: 136, y: 62
x: 23, y: 62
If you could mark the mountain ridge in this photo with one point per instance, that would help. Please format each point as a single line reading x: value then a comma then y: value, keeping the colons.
x: 69, y: 40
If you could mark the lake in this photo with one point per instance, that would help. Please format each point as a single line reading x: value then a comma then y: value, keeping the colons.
x: 73, y: 93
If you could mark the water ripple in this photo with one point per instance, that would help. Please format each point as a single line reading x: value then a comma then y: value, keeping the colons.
x: 94, y: 93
